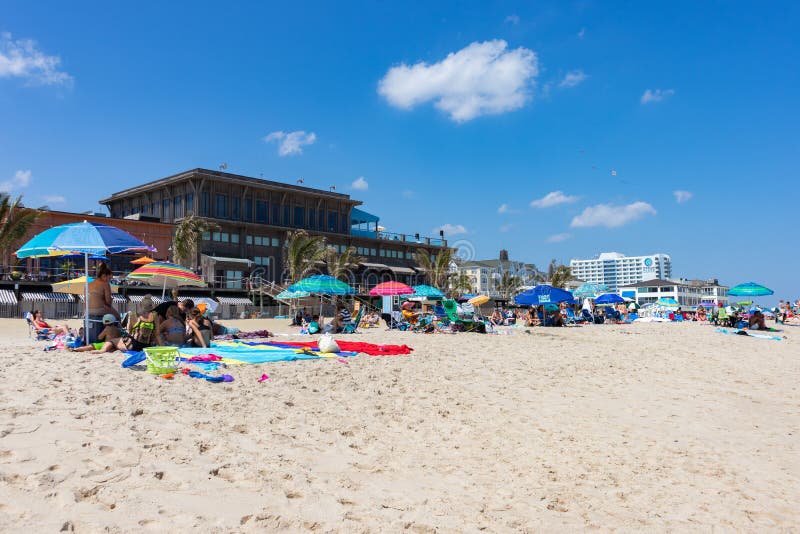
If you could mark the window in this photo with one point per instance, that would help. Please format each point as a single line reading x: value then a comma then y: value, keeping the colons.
x: 261, y: 211
x: 235, y: 238
x: 205, y: 203
x: 321, y: 220
x: 372, y: 252
x: 248, y: 240
x: 261, y: 260
x: 177, y: 206
x: 383, y: 253
x: 224, y: 237
x: 333, y: 220
x: 215, y: 236
x: 276, y: 216
x: 299, y: 216
x: 344, y: 223
x: 258, y: 240
x: 235, y: 208
x: 276, y: 242
x: 165, y: 209
x: 220, y: 206
x: 206, y: 236
x: 233, y: 279
x: 312, y: 218
x: 286, y: 215
x: 154, y: 208
x: 189, y: 203
x: 248, y: 209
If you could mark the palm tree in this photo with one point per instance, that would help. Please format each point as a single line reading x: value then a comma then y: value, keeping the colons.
x: 558, y: 274
x: 15, y: 221
x: 341, y: 263
x: 461, y: 283
x: 508, y: 285
x: 186, y: 241
x: 437, y: 269
x: 301, y: 253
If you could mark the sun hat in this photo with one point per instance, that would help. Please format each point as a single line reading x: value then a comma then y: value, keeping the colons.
x: 407, y: 305
x: 146, y: 304
x: 109, y: 319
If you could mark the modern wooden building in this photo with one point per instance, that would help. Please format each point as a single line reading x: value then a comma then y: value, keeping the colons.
x: 254, y: 217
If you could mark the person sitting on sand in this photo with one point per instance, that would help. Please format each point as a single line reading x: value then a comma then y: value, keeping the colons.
x: 756, y: 321
x: 108, y: 336
x: 44, y: 327
x: 200, y: 328
x: 141, y: 331
x: 531, y: 318
x: 701, y: 313
x: 342, y: 318
x: 172, y: 330
x: 496, y: 318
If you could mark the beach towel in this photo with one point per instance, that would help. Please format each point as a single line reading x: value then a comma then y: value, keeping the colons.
x: 349, y: 346
x: 241, y: 352
x: 746, y: 333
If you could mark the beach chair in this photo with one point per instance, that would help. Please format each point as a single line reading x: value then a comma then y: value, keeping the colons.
x: 587, y: 316
x: 352, y: 328
x: 394, y: 321
x: 572, y: 318
x: 42, y: 334
x: 460, y: 323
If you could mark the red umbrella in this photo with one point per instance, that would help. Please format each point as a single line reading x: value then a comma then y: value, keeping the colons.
x: 390, y: 289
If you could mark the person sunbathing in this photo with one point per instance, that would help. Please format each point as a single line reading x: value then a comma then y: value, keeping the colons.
x: 756, y: 321
x: 172, y: 330
x: 44, y: 327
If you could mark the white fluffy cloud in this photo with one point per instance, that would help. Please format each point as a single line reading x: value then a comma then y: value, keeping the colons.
x: 291, y: 144
x: 451, y: 229
x: 55, y: 199
x: 481, y: 79
x: 360, y: 184
x: 21, y: 58
x: 612, y: 216
x: 20, y: 179
x: 656, y: 95
x: 558, y: 238
x: 505, y: 208
x: 551, y: 199
x: 573, y: 78
x: 682, y: 196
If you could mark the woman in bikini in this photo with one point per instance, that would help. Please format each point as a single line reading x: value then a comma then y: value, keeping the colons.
x: 200, y: 327
x: 43, y: 326
x: 172, y: 330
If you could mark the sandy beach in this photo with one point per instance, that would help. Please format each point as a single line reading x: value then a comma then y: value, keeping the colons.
x: 657, y: 427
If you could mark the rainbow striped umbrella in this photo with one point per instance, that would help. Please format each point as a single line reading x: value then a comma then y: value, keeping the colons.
x: 165, y: 274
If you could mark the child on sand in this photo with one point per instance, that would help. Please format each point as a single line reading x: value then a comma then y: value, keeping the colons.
x: 110, y: 331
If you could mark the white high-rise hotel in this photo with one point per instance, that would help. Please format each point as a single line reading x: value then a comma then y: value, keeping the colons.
x: 617, y: 270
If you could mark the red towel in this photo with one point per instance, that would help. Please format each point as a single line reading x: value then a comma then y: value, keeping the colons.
x: 355, y: 346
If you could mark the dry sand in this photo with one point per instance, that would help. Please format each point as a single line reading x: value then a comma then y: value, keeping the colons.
x: 645, y: 427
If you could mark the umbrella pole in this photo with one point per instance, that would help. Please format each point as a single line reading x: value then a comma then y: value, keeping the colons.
x: 164, y: 289
x: 86, y: 299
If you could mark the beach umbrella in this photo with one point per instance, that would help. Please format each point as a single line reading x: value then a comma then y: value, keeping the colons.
x: 77, y: 285
x: 750, y: 289
x: 86, y: 238
x: 390, y: 289
x: 144, y: 260
x: 322, y: 284
x: 205, y: 304
x: 608, y: 298
x: 165, y: 274
x: 465, y: 297
x: 543, y: 294
x: 590, y: 290
x: 667, y: 302
x: 79, y: 256
x: 427, y: 291
x: 480, y: 299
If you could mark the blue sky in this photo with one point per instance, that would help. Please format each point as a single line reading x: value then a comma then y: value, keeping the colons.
x: 448, y: 112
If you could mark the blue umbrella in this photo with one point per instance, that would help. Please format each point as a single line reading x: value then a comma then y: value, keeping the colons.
x: 427, y: 291
x: 750, y: 289
x: 77, y: 256
x: 543, y: 294
x: 322, y: 284
x: 289, y: 295
x: 608, y: 298
x: 87, y: 238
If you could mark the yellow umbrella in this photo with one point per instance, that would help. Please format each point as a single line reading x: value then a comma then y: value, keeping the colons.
x: 76, y: 286
x: 478, y: 300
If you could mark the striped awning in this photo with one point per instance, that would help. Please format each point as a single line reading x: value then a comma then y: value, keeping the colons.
x: 235, y: 301
x: 41, y: 296
x: 115, y: 297
x: 375, y: 266
x: 138, y: 298
x: 7, y: 297
x: 402, y: 270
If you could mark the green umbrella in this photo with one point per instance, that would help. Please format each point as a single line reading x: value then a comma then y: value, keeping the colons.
x: 322, y: 284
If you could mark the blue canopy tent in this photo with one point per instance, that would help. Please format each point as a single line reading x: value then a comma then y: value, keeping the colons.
x: 608, y: 299
x: 543, y: 294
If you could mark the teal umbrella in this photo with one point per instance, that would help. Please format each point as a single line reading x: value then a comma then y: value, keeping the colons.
x: 427, y: 291
x: 750, y: 289
x: 667, y: 302
x: 590, y: 290
x: 322, y: 284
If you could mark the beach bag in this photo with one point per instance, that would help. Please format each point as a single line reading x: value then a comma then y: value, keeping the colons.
x: 327, y: 344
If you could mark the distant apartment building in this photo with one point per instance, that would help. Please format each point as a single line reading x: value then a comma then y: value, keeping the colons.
x: 616, y: 270
x: 686, y: 292
x: 486, y: 275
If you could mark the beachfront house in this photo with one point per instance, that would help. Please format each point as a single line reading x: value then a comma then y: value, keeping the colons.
x: 688, y: 293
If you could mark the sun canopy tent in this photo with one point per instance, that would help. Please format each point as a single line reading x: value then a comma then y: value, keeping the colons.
x: 363, y: 223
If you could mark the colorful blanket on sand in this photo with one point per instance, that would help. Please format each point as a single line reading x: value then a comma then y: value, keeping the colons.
x: 242, y: 352
x: 353, y: 346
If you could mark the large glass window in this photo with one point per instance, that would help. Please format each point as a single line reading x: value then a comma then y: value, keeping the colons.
x: 189, y: 203
x: 344, y: 223
x: 205, y: 201
x: 333, y: 221
x: 321, y: 219
x: 234, y: 238
x: 177, y: 206
x: 221, y: 206
x: 248, y: 209
x: 261, y: 211
x: 299, y: 216
x: 312, y: 218
x: 235, y: 208
x: 233, y: 279
x: 286, y: 215
x: 165, y: 209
